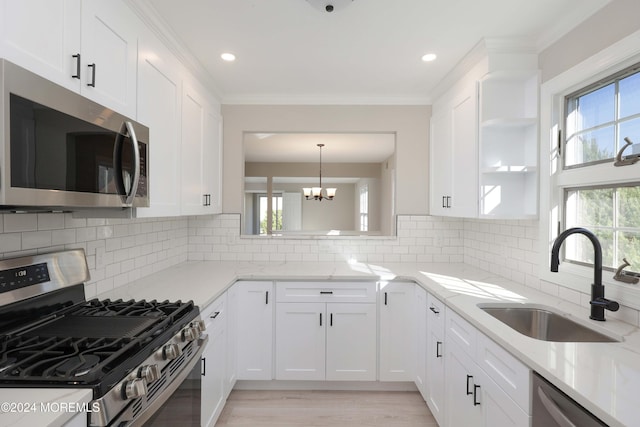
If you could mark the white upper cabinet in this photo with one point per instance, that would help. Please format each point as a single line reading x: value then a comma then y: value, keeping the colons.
x: 43, y: 36
x: 159, y: 101
x: 484, y: 139
x: 454, y: 167
x: 200, y: 153
x: 88, y: 46
x: 109, y: 54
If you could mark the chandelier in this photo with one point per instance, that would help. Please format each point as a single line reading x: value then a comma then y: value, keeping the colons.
x: 315, y: 193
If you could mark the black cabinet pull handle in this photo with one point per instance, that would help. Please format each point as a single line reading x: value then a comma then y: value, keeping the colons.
x: 469, y: 377
x: 475, y: 395
x: 204, y: 366
x: 438, y: 354
x: 214, y: 315
x: 448, y: 201
x: 93, y: 75
x: 331, y: 319
x: 320, y: 319
x: 326, y: 292
x: 435, y: 310
x: 266, y: 297
x: 77, y: 74
x: 385, y: 298
x: 444, y: 203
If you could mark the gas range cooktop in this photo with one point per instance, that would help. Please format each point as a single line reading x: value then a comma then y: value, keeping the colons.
x: 50, y: 337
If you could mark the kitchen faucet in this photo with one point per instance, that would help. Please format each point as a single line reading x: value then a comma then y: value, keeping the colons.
x: 598, y: 301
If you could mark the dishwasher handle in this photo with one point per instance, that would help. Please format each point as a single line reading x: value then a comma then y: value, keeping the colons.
x: 553, y: 410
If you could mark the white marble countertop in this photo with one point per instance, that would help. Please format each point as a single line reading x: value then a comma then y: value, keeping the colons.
x: 599, y: 376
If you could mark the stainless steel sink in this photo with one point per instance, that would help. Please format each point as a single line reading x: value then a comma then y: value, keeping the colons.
x: 543, y: 324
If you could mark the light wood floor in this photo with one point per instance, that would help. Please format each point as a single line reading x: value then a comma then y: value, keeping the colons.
x: 325, y: 409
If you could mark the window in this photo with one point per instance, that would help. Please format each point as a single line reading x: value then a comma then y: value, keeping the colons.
x: 600, y: 117
x: 276, y: 213
x: 598, y: 120
x: 364, y: 208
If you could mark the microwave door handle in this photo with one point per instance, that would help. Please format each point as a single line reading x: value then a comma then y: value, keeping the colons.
x: 136, y: 164
x: 553, y: 410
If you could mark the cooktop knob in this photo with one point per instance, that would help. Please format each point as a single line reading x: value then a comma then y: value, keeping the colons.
x: 134, y: 388
x: 171, y: 351
x: 149, y: 373
x: 189, y: 333
x: 199, y: 326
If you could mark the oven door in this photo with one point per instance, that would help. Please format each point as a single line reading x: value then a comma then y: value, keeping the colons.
x: 182, y: 408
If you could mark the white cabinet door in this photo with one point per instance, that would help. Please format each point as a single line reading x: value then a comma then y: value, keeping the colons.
x: 159, y: 96
x: 214, y: 361
x: 42, y: 36
x: 193, y: 120
x: 497, y: 407
x: 397, y: 344
x: 464, y: 160
x: 212, y: 161
x: 454, y: 152
x: 109, y: 54
x: 300, y: 341
x: 460, y: 383
x: 254, y: 317
x: 420, y: 374
x: 201, y: 153
x: 435, y: 360
x: 351, y: 342
x: 440, y: 164
x: 213, y: 376
x: 232, y: 334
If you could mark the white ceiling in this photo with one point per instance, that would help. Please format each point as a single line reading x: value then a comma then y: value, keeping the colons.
x: 302, y: 147
x: 367, y: 52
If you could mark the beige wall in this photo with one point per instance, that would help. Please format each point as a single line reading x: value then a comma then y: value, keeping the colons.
x: 613, y: 22
x: 409, y: 123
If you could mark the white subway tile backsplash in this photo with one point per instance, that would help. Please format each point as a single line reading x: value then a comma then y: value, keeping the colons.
x: 20, y: 222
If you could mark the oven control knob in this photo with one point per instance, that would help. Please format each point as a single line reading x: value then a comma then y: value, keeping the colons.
x: 199, y: 326
x: 134, y: 388
x: 171, y: 351
x: 149, y: 373
x: 189, y: 333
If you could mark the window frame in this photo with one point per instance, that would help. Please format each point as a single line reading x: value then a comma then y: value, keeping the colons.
x: 554, y: 178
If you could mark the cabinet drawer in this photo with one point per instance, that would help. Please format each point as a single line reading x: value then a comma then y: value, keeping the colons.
x: 215, y: 313
x: 435, y: 314
x: 326, y: 291
x: 505, y: 370
x: 461, y: 332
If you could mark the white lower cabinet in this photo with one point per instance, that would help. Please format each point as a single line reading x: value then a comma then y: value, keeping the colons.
x: 214, y: 360
x: 435, y: 364
x: 473, y: 396
x: 317, y: 339
x: 397, y: 323
x: 420, y: 337
x: 254, y: 329
x: 326, y: 341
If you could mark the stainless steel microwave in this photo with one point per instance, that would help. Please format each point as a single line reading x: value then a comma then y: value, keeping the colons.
x: 62, y: 151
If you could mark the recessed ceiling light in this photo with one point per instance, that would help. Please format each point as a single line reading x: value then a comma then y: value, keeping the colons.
x: 429, y: 57
x: 228, y: 57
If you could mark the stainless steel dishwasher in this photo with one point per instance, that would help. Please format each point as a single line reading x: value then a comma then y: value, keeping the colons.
x: 553, y: 408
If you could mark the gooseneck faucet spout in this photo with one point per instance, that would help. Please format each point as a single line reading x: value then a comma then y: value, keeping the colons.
x: 598, y: 302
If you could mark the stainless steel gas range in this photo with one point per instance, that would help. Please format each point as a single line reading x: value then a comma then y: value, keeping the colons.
x: 131, y: 354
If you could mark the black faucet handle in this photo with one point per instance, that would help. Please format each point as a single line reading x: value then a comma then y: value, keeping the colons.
x: 605, y: 303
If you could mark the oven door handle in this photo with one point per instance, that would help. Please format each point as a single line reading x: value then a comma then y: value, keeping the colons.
x: 553, y: 410
x: 128, y: 197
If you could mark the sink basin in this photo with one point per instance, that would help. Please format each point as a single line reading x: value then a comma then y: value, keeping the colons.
x: 543, y: 324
